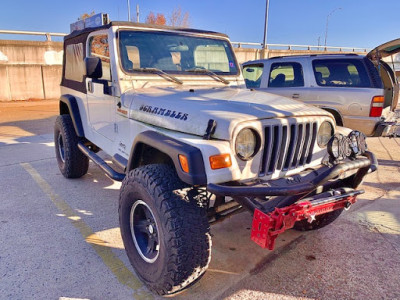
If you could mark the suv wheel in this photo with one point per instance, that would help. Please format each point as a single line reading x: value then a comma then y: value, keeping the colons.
x: 165, y: 231
x: 71, y: 161
x: 319, y: 222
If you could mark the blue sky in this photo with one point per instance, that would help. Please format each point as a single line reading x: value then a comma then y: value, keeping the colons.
x: 357, y: 24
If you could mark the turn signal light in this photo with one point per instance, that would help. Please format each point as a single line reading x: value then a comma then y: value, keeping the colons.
x: 220, y: 161
x: 376, y: 106
x: 184, y: 163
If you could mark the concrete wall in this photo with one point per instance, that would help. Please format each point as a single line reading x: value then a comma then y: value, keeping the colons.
x: 32, y: 70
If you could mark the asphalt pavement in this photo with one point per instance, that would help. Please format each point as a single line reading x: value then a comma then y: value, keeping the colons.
x: 59, y: 238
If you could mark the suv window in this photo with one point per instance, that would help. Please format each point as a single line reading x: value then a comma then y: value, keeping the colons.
x: 288, y: 74
x: 341, y: 73
x: 252, y: 75
x: 98, y: 47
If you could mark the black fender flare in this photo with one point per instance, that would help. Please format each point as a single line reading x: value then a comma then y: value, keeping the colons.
x: 73, y: 108
x: 172, y: 148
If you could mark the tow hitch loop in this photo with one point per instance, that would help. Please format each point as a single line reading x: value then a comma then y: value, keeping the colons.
x: 267, y: 226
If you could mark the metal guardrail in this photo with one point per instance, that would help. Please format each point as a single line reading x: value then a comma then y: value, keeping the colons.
x: 302, y: 47
x: 48, y: 35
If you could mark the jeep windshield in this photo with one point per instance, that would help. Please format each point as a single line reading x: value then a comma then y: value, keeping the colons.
x: 176, y: 53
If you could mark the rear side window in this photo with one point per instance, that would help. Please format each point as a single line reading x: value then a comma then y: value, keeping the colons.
x: 74, y: 63
x: 252, y: 75
x: 341, y: 73
x: 288, y: 74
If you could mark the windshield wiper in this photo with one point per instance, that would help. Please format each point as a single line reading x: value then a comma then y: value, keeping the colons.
x: 208, y: 72
x: 159, y: 72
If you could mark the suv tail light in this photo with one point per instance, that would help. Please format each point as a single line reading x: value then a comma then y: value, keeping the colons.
x: 376, y: 106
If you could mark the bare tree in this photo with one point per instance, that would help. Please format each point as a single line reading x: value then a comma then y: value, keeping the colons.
x: 179, y: 18
x: 158, y: 19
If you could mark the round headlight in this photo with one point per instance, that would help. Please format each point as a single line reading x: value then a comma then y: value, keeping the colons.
x: 339, y: 147
x: 325, y: 133
x: 358, y: 143
x: 246, y: 144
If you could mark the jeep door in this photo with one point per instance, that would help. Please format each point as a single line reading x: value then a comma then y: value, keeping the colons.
x: 100, y: 99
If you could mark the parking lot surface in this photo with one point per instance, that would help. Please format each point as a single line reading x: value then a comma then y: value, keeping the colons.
x: 60, y: 238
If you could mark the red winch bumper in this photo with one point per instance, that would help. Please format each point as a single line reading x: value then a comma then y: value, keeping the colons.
x: 267, y: 226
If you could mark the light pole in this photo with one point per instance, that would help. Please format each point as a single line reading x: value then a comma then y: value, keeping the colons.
x: 129, y: 11
x: 266, y: 24
x: 327, y: 22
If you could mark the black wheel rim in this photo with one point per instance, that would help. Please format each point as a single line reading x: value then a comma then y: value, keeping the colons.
x: 61, y: 149
x: 144, y: 231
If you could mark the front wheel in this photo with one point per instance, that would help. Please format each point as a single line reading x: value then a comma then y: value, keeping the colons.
x: 165, y: 231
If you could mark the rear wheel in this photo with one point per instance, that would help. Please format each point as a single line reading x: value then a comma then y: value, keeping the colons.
x: 319, y: 222
x: 71, y: 161
x: 164, y: 229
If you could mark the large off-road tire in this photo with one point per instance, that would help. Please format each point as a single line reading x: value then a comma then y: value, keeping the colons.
x: 164, y: 228
x: 71, y: 161
x: 319, y: 222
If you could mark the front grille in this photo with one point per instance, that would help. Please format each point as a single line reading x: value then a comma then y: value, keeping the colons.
x: 288, y: 147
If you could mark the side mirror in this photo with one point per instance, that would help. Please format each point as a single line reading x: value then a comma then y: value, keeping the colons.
x: 93, y: 67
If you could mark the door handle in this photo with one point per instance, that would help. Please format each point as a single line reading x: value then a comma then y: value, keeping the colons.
x: 90, y: 86
x: 296, y: 96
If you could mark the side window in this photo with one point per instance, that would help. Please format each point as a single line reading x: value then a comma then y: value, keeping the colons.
x: 252, y: 75
x: 98, y: 47
x: 286, y: 75
x: 74, y: 63
x: 340, y: 73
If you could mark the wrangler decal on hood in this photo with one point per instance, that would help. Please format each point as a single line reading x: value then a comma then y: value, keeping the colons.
x: 164, y: 112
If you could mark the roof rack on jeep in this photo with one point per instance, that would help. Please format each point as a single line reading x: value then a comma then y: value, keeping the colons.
x: 107, y: 24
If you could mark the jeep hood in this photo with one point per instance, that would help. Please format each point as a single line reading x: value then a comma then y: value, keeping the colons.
x: 189, y: 110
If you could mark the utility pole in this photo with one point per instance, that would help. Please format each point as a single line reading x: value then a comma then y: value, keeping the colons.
x: 327, y: 22
x: 137, y: 13
x: 129, y: 11
x: 266, y: 24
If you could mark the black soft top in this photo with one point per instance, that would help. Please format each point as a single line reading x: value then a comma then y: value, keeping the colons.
x: 86, y: 31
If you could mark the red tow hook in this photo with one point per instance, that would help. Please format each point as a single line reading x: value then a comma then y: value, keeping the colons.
x: 267, y: 226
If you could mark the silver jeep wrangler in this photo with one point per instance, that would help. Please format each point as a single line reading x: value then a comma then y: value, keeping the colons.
x: 169, y: 106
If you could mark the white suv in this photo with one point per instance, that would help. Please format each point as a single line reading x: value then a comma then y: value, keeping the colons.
x: 360, y: 91
x: 167, y: 105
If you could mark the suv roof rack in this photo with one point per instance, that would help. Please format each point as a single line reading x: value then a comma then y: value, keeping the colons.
x: 312, y: 55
